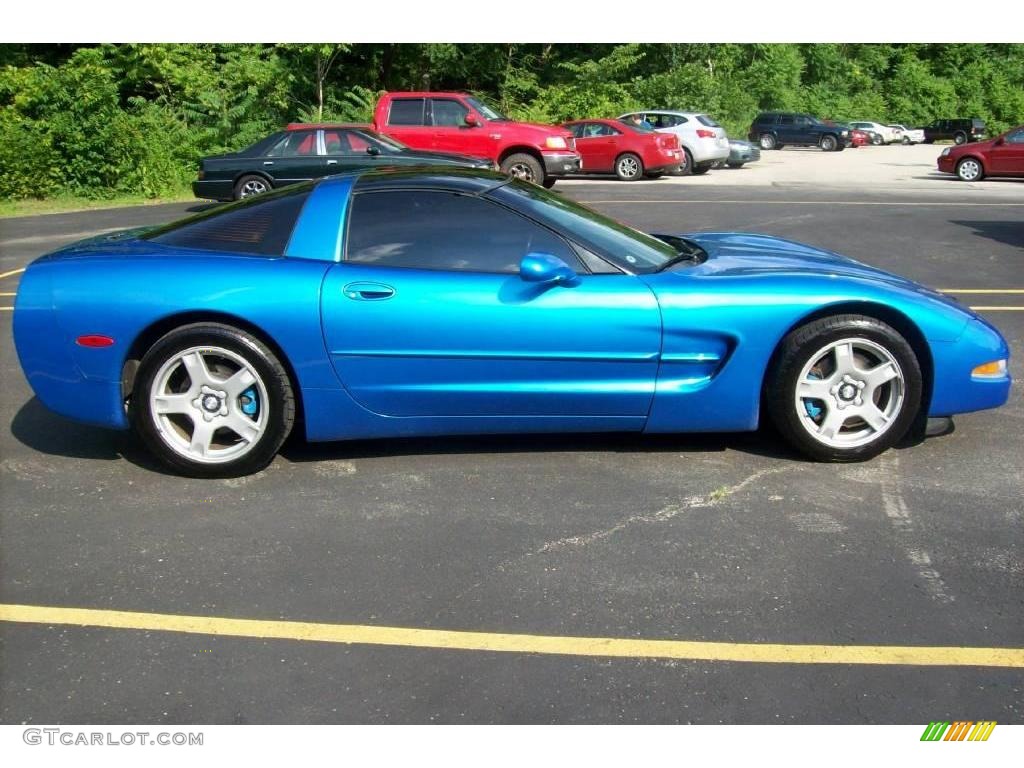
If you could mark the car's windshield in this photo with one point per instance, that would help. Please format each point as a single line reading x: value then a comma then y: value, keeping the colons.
x: 622, y: 245
x: 487, y: 111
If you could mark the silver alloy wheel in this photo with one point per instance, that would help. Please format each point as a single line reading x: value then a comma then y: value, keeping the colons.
x: 629, y: 167
x: 828, y: 143
x: 767, y: 142
x: 253, y: 187
x: 209, y: 405
x: 850, y: 393
x: 521, y: 171
x: 969, y: 169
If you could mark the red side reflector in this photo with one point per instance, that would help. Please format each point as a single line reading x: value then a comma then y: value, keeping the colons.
x: 94, y: 340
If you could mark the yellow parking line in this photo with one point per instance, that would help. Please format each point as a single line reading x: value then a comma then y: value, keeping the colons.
x: 11, y: 273
x: 771, y: 653
x: 887, y: 204
x: 8, y: 293
x: 998, y: 309
x: 6, y: 309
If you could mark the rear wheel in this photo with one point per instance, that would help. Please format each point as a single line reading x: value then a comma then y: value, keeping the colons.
x: 767, y: 141
x: 969, y: 169
x: 844, y: 388
x: 251, y: 185
x: 549, y: 182
x: 686, y: 166
x: 960, y: 137
x: 523, y: 166
x: 906, y: 140
x: 699, y: 170
x: 629, y: 167
x: 212, y: 401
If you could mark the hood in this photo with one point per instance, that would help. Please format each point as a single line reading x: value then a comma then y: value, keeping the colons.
x: 539, y: 128
x: 740, y: 254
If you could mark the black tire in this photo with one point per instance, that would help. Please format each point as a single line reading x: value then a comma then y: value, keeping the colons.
x: 280, y: 405
x: 906, y: 140
x: 767, y: 141
x: 655, y: 174
x: 779, y: 146
x: 250, y: 185
x: 523, y: 166
x: 735, y: 165
x: 700, y: 170
x: 876, y: 140
x: 798, y: 350
x: 970, y: 169
x: 959, y: 137
x: 549, y: 182
x: 828, y: 143
x: 629, y: 167
x: 686, y: 166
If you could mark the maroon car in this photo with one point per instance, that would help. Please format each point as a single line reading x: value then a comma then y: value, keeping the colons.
x: 1001, y: 156
x: 629, y: 150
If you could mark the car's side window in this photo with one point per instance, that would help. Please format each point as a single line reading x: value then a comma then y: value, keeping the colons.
x: 295, y: 144
x: 786, y: 120
x: 445, y: 231
x: 406, y: 112
x: 576, y: 129
x: 341, y: 142
x: 1017, y: 137
x: 448, y: 112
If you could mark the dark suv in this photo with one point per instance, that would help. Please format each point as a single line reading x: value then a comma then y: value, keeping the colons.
x: 774, y: 130
x: 960, y: 131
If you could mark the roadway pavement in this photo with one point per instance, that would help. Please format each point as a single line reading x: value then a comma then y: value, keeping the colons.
x: 721, y: 538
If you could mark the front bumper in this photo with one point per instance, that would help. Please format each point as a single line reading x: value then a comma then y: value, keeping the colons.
x: 946, y: 164
x: 955, y: 389
x: 745, y: 155
x: 561, y: 163
x: 213, y: 189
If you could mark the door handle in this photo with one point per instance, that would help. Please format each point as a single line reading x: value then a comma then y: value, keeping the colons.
x: 332, y: 162
x: 268, y: 162
x: 368, y: 291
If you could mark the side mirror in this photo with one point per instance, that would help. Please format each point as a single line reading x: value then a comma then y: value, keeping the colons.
x: 472, y: 120
x: 539, y: 267
x: 999, y: 142
x: 372, y: 150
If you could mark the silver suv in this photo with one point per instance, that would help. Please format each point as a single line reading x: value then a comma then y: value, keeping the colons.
x: 703, y: 140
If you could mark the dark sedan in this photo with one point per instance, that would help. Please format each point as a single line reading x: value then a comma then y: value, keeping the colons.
x: 303, y: 151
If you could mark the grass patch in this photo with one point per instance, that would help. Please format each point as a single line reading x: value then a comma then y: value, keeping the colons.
x: 70, y: 203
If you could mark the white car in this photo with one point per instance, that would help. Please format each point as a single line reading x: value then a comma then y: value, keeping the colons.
x: 889, y: 134
x: 703, y: 140
x: 910, y: 135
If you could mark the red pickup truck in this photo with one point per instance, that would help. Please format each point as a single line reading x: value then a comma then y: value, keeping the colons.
x: 459, y: 122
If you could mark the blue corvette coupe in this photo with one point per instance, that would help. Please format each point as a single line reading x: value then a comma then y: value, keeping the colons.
x: 444, y: 301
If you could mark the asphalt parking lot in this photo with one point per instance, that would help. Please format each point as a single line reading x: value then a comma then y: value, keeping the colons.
x: 728, y: 541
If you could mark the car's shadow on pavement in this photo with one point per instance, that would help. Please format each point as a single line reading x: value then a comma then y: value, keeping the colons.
x: 37, y: 428
x: 1009, y: 232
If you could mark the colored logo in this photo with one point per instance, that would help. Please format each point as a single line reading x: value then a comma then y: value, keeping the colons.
x: 961, y: 730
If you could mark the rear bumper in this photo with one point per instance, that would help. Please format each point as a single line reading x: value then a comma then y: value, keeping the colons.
x: 213, y: 189
x: 561, y: 163
x: 708, y: 150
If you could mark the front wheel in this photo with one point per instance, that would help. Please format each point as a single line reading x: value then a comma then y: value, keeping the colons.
x: 523, y: 166
x: 844, y: 388
x: 969, y: 169
x: 549, y: 182
x: 828, y: 143
x: 629, y: 167
x: 210, y: 400
x: 735, y: 165
x: 960, y: 138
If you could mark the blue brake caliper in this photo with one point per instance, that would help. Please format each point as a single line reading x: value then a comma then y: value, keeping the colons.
x: 813, y: 410
x: 250, y: 402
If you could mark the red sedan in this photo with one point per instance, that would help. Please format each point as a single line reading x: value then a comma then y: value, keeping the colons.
x: 1001, y: 156
x: 859, y: 138
x: 628, y: 150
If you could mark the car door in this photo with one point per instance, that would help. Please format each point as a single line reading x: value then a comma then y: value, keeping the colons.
x: 294, y: 158
x: 407, y: 121
x: 1008, y: 157
x: 428, y: 316
x: 452, y: 134
x: 596, y: 143
x: 345, y: 150
x: 785, y: 130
